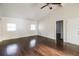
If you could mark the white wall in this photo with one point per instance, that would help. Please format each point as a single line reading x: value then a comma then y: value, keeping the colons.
x: 70, y: 14
x: 22, y: 28
x: 47, y: 27
x: 0, y: 30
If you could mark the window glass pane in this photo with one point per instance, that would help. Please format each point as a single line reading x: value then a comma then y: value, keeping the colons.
x: 33, y: 27
x: 11, y: 27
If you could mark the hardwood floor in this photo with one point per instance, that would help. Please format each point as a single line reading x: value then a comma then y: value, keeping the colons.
x: 47, y: 51
x: 32, y: 46
x: 42, y: 50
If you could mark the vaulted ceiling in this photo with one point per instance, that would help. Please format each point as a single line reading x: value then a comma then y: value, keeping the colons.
x: 30, y: 11
x: 23, y: 10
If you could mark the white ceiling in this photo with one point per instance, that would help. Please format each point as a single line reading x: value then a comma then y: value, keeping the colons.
x: 30, y: 11
x: 23, y: 10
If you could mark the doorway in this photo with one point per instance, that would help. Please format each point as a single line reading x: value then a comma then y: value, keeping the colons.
x: 59, y: 34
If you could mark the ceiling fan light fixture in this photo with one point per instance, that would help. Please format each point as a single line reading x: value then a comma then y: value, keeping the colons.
x: 50, y: 8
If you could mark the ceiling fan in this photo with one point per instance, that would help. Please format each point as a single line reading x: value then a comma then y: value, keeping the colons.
x: 50, y: 5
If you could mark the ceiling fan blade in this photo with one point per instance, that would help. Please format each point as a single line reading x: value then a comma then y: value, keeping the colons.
x: 44, y: 6
x: 56, y: 4
x: 50, y: 7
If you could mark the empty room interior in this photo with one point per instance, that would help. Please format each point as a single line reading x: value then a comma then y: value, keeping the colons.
x: 39, y: 29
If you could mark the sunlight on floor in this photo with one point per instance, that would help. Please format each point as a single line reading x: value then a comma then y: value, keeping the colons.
x: 32, y: 43
x: 12, y: 49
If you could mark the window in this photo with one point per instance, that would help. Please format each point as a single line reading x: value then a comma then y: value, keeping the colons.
x: 11, y: 27
x: 33, y: 27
